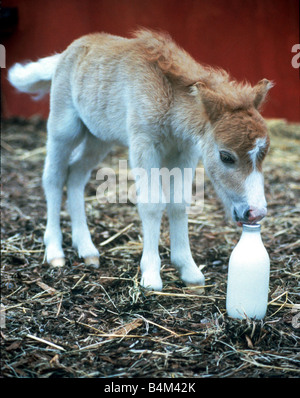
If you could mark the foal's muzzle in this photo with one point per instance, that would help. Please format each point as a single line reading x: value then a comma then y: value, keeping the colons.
x: 249, y: 215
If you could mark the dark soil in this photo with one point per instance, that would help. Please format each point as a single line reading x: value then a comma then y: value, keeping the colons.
x: 100, y: 323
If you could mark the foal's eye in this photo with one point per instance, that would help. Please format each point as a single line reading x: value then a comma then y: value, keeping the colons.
x: 226, y: 157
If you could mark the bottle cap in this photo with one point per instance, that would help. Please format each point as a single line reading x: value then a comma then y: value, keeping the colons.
x: 251, y: 227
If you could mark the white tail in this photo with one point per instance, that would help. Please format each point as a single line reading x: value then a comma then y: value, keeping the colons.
x: 34, y: 77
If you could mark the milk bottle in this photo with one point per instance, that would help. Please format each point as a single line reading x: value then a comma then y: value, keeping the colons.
x: 248, y: 276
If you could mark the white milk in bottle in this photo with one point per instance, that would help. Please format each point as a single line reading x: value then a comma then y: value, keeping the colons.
x: 248, y: 276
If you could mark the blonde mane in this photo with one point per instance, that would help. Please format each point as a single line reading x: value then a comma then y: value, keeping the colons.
x: 179, y: 66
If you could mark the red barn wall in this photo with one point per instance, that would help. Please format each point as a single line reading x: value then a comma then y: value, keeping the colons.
x: 251, y: 39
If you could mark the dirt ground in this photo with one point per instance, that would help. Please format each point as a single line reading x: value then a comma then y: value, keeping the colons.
x: 83, y: 322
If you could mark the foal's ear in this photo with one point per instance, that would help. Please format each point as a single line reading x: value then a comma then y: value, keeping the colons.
x: 213, y: 103
x: 261, y: 91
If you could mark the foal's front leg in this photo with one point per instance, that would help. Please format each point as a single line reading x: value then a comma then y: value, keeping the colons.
x: 150, y: 261
x: 181, y: 256
x: 150, y: 211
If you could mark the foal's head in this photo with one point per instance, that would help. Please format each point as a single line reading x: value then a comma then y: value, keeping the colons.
x: 235, y: 148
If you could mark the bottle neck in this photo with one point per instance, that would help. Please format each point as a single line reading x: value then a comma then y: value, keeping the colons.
x: 251, y: 231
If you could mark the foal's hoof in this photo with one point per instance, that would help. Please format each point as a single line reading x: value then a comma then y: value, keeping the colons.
x: 58, y: 262
x: 92, y: 261
x: 151, y: 281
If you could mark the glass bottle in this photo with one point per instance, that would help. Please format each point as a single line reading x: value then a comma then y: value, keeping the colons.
x: 248, y: 276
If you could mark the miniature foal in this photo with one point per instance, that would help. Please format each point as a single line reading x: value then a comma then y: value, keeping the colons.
x: 150, y: 95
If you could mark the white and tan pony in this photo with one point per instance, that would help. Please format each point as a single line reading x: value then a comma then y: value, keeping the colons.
x: 150, y: 95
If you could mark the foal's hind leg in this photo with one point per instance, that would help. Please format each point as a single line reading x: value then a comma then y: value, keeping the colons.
x: 87, y: 156
x: 63, y: 136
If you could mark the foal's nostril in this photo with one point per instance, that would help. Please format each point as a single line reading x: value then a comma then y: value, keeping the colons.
x: 247, y: 214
